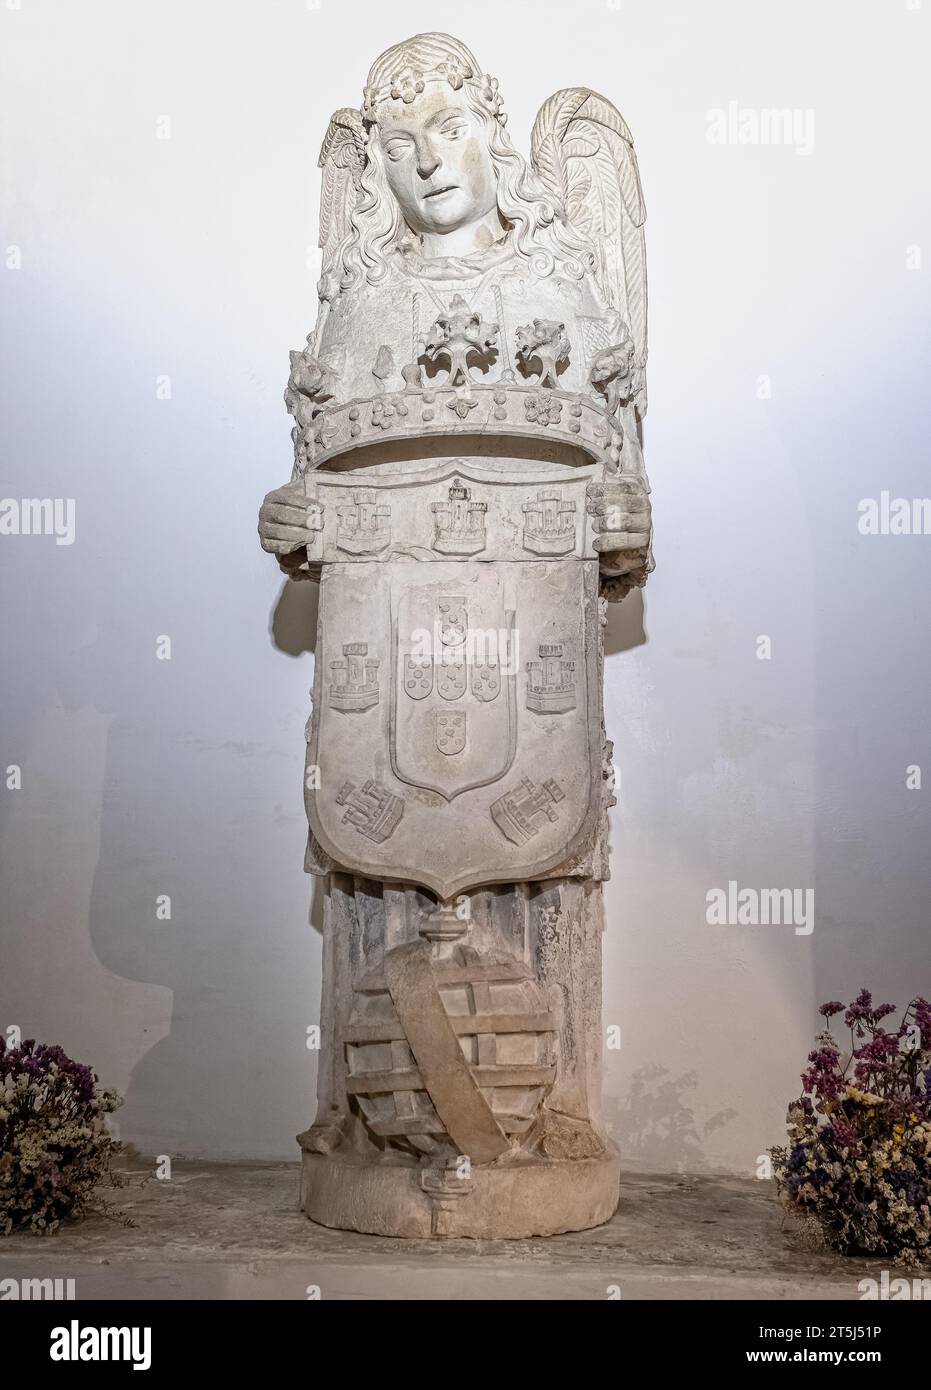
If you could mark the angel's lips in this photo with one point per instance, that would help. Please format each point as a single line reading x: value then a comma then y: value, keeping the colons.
x: 438, y: 192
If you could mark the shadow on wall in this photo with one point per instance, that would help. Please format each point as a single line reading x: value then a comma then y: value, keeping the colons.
x: 294, y: 631
x: 624, y: 628
x: 294, y: 621
x: 189, y: 812
x: 654, y: 1124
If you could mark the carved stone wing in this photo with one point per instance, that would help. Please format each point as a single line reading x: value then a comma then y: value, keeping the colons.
x: 583, y: 151
x: 342, y: 157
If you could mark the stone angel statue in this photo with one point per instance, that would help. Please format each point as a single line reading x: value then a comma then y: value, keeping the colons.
x: 469, y: 489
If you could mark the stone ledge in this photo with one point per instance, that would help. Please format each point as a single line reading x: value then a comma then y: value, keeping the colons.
x: 235, y: 1231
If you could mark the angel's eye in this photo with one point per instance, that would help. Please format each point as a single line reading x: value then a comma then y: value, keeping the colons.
x: 397, y: 149
x: 455, y: 130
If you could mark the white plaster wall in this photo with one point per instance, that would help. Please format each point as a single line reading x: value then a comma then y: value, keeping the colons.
x: 188, y: 257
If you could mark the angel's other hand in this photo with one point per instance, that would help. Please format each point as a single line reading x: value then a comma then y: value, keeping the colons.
x: 621, y: 516
x: 284, y: 521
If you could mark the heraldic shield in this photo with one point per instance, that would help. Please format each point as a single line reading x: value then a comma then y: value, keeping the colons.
x: 437, y: 715
x: 454, y: 685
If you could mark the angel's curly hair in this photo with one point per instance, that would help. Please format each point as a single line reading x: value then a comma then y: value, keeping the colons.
x: 540, y: 234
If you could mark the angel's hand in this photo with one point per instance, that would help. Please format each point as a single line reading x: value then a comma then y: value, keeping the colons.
x: 287, y: 519
x: 620, y: 511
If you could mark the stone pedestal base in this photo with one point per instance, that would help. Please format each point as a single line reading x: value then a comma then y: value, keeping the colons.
x: 509, y: 1201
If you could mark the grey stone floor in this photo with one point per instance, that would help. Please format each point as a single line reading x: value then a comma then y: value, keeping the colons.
x: 234, y: 1231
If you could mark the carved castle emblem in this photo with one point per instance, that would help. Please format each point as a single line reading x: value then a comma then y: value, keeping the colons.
x: 371, y: 808
x: 459, y: 523
x: 449, y: 731
x: 355, y: 678
x: 549, y: 528
x: 550, y: 681
x: 520, y: 814
x: 364, y: 524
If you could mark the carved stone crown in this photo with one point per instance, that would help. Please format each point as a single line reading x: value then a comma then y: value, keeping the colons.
x: 505, y: 408
x: 469, y: 349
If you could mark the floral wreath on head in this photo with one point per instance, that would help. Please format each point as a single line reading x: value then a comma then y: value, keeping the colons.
x: 409, y: 83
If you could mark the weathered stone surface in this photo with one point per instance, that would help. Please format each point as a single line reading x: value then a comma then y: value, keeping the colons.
x: 468, y: 490
x: 234, y: 1231
x: 534, y: 1198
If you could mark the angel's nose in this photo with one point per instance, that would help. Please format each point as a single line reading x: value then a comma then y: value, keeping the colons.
x: 428, y: 161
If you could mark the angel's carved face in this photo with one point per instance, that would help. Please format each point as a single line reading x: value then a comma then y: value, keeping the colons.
x: 437, y: 160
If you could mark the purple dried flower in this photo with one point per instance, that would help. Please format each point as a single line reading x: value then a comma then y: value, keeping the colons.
x: 55, y: 1148
x: 859, y: 1159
